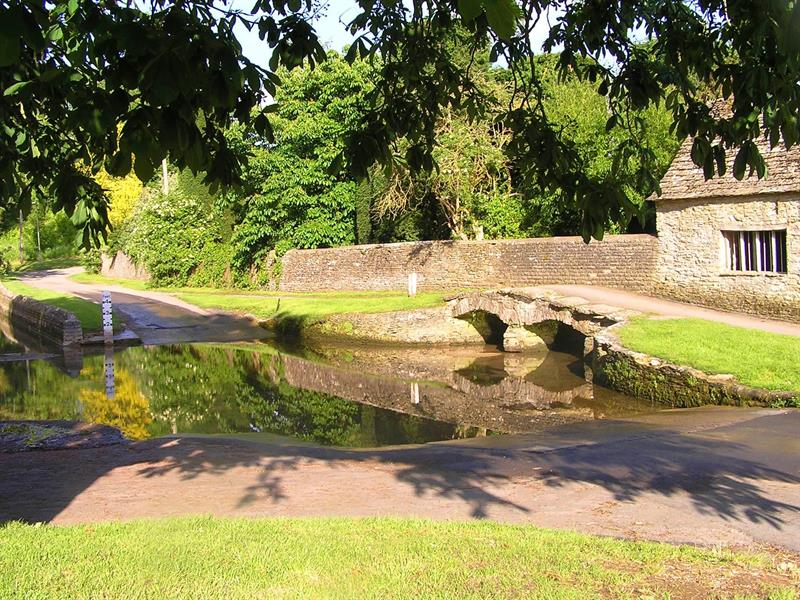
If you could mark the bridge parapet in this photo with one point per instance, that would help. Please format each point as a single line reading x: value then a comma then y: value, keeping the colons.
x: 524, y: 307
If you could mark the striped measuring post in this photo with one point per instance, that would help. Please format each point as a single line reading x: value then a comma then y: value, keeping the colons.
x: 108, y: 319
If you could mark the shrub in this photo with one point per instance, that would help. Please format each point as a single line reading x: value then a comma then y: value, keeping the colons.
x: 91, y: 260
x: 171, y: 235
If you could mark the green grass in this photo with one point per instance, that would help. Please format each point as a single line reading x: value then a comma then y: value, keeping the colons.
x: 292, y: 308
x: 88, y: 313
x: 309, y: 306
x: 134, y: 284
x: 360, y: 558
x: 49, y: 263
x: 755, y: 358
x: 236, y: 293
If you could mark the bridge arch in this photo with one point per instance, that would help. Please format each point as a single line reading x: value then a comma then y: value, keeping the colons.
x: 521, y: 308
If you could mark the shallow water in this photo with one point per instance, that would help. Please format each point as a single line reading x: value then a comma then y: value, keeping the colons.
x: 339, y: 396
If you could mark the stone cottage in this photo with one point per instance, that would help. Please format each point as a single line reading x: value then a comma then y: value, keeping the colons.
x: 728, y: 243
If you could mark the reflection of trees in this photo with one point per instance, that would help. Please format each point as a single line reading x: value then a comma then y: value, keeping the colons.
x: 309, y: 416
x: 128, y: 410
x: 37, y: 390
x: 204, y: 389
x: 189, y: 388
x: 211, y: 389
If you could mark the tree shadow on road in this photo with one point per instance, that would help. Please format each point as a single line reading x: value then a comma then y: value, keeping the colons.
x: 717, y: 476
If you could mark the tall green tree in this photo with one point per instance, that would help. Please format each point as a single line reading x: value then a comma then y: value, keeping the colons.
x: 122, y: 84
x: 292, y: 199
x: 582, y: 116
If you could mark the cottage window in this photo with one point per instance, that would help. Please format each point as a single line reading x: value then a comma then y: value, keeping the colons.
x: 755, y: 251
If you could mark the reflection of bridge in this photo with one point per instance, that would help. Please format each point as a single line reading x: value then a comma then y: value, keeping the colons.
x: 511, y: 405
x: 521, y: 308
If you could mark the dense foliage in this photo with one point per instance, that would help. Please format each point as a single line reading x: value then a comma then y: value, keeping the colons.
x: 121, y: 85
x: 292, y: 199
x: 179, y: 235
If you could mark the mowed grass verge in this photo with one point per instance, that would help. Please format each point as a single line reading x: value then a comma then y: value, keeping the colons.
x: 310, y: 307
x: 88, y: 313
x: 756, y: 358
x: 366, y: 558
x: 134, y: 284
x: 285, y: 305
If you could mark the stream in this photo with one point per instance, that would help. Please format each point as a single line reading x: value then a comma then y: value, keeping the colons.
x: 335, y: 395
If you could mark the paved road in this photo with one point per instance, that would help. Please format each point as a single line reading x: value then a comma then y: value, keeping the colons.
x: 157, y: 318
x: 669, y: 308
x: 710, y: 476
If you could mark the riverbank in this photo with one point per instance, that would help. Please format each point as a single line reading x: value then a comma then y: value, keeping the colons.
x: 373, y: 558
x: 755, y: 359
x: 88, y: 313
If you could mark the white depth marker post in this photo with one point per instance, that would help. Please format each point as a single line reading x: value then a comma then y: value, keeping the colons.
x: 412, y: 283
x: 415, y: 393
x: 111, y: 388
x: 108, y: 319
x: 108, y: 338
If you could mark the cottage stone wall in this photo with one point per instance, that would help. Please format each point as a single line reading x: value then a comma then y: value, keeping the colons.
x: 621, y: 261
x: 691, y: 268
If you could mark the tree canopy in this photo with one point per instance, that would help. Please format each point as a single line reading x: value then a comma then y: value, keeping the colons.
x: 120, y: 85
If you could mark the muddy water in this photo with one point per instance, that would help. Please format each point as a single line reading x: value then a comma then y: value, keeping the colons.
x: 337, y: 395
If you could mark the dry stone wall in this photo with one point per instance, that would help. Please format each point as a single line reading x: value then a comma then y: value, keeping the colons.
x: 623, y: 261
x: 34, y: 322
x: 691, y: 269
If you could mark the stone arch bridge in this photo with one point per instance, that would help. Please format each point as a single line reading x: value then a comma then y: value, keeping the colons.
x: 524, y: 310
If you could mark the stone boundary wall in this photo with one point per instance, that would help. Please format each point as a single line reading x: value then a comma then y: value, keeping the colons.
x: 29, y: 319
x: 619, y: 261
x: 122, y: 267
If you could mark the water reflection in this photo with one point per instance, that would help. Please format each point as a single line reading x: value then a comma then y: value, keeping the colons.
x: 335, y: 396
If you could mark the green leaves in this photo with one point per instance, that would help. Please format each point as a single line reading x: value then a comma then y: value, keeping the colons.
x: 13, y: 89
x: 749, y: 156
x: 119, y: 164
x: 161, y: 79
x: 470, y: 9
x: 109, y: 83
x: 502, y: 15
x: 11, y: 26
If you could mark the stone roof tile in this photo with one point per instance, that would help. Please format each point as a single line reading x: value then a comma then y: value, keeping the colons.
x: 685, y: 180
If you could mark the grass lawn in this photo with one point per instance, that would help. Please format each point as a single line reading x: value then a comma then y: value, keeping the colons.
x: 265, y: 304
x: 364, y: 558
x: 291, y: 309
x: 88, y: 313
x: 310, y: 306
x: 134, y: 284
x: 755, y: 358
x: 49, y: 263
